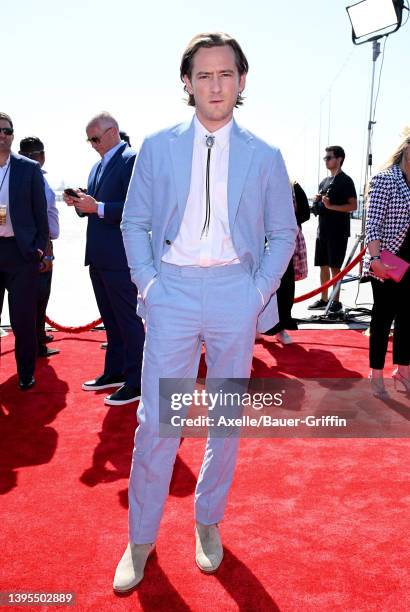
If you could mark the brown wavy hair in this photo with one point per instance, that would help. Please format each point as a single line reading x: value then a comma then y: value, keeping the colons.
x: 208, y: 40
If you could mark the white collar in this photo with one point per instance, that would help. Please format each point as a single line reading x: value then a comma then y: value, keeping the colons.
x: 221, y: 136
x: 109, y: 154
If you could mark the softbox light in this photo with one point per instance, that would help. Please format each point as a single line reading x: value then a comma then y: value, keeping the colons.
x: 372, y: 19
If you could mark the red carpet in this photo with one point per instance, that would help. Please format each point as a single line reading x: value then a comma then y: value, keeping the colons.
x: 312, y: 524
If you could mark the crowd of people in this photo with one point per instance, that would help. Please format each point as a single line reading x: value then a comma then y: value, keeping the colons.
x: 204, y: 213
x: 116, y: 295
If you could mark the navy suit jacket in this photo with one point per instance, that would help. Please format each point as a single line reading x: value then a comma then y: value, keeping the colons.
x: 105, y: 247
x: 28, y: 206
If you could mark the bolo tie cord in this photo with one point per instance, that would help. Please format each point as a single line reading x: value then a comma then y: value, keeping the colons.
x: 209, y: 143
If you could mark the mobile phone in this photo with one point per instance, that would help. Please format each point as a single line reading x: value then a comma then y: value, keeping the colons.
x: 71, y: 193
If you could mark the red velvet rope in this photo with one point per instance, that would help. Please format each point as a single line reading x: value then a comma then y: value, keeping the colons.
x: 73, y: 330
x: 301, y: 298
x: 333, y: 280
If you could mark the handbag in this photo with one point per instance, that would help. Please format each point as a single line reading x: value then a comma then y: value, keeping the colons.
x: 400, y: 266
x: 299, y: 259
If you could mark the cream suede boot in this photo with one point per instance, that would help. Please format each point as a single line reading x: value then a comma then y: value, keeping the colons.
x: 209, y: 551
x: 130, y: 569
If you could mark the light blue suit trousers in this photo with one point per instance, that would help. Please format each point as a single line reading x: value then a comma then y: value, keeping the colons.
x: 185, y: 307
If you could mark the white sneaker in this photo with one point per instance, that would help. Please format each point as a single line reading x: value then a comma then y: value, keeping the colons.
x: 284, y: 337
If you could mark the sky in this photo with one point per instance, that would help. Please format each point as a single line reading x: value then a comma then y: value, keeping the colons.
x: 308, y: 85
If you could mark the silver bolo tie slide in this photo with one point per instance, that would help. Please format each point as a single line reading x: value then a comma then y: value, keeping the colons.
x: 209, y: 141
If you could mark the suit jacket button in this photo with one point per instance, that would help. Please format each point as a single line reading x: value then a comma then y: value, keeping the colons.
x: 167, y: 242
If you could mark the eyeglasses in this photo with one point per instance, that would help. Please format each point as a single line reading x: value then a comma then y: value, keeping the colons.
x: 328, y: 157
x: 7, y: 131
x: 97, y: 139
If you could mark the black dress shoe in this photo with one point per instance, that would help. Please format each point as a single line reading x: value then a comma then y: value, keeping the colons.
x: 103, y: 382
x: 48, y: 338
x: 26, y: 382
x: 44, y: 351
x: 125, y: 395
x: 104, y: 345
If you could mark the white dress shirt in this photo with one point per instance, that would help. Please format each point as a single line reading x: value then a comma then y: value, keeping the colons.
x: 214, y: 248
x: 52, y: 210
x: 6, y: 231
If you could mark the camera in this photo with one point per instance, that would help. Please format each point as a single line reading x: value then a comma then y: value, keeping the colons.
x: 318, y: 208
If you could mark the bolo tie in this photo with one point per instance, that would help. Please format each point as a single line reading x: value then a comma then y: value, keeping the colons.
x: 209, y: 141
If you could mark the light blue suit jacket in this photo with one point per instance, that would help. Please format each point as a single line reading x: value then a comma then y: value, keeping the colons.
x: 259, y: 205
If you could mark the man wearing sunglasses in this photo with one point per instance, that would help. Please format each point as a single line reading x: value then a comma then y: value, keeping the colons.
x: 23, y: 240
x: 115, y: 293
x: 333, y: 204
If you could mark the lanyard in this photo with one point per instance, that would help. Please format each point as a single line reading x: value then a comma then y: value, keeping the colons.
x: 4, y: 177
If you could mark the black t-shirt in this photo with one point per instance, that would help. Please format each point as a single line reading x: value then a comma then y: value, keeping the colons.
x: 331, y: 222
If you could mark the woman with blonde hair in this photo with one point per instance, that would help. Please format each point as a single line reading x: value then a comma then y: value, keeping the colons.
x: 388, y: 228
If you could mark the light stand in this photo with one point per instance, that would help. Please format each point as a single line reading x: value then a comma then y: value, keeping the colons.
x: 370, y: 124
x: 369, y: 162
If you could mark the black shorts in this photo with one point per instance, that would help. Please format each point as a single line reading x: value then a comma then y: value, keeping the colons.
x: 331, y: 252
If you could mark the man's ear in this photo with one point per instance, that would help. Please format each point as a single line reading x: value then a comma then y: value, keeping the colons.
x: 188, y: 84
x: 242, y: 82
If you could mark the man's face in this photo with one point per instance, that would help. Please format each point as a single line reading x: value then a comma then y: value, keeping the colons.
x: 332, y: 162
x: 100, y: 137
x: 215, y: 84
x: 5, y: 140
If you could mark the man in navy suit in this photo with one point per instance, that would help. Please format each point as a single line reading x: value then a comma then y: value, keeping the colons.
x: 115, y: 293
x: 23, y: 240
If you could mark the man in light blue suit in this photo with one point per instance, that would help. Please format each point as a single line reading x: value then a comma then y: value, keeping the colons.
x: 202, y: 199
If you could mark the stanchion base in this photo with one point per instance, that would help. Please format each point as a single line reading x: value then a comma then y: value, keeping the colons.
x: 345, y: 316
x: 331, y: 317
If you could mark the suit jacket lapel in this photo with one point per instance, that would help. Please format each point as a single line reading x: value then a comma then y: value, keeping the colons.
x: 93, y: 179
x: 13, y: 179
x: 181, y: 148
x: 240, y: 157
x: 107, y: 170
